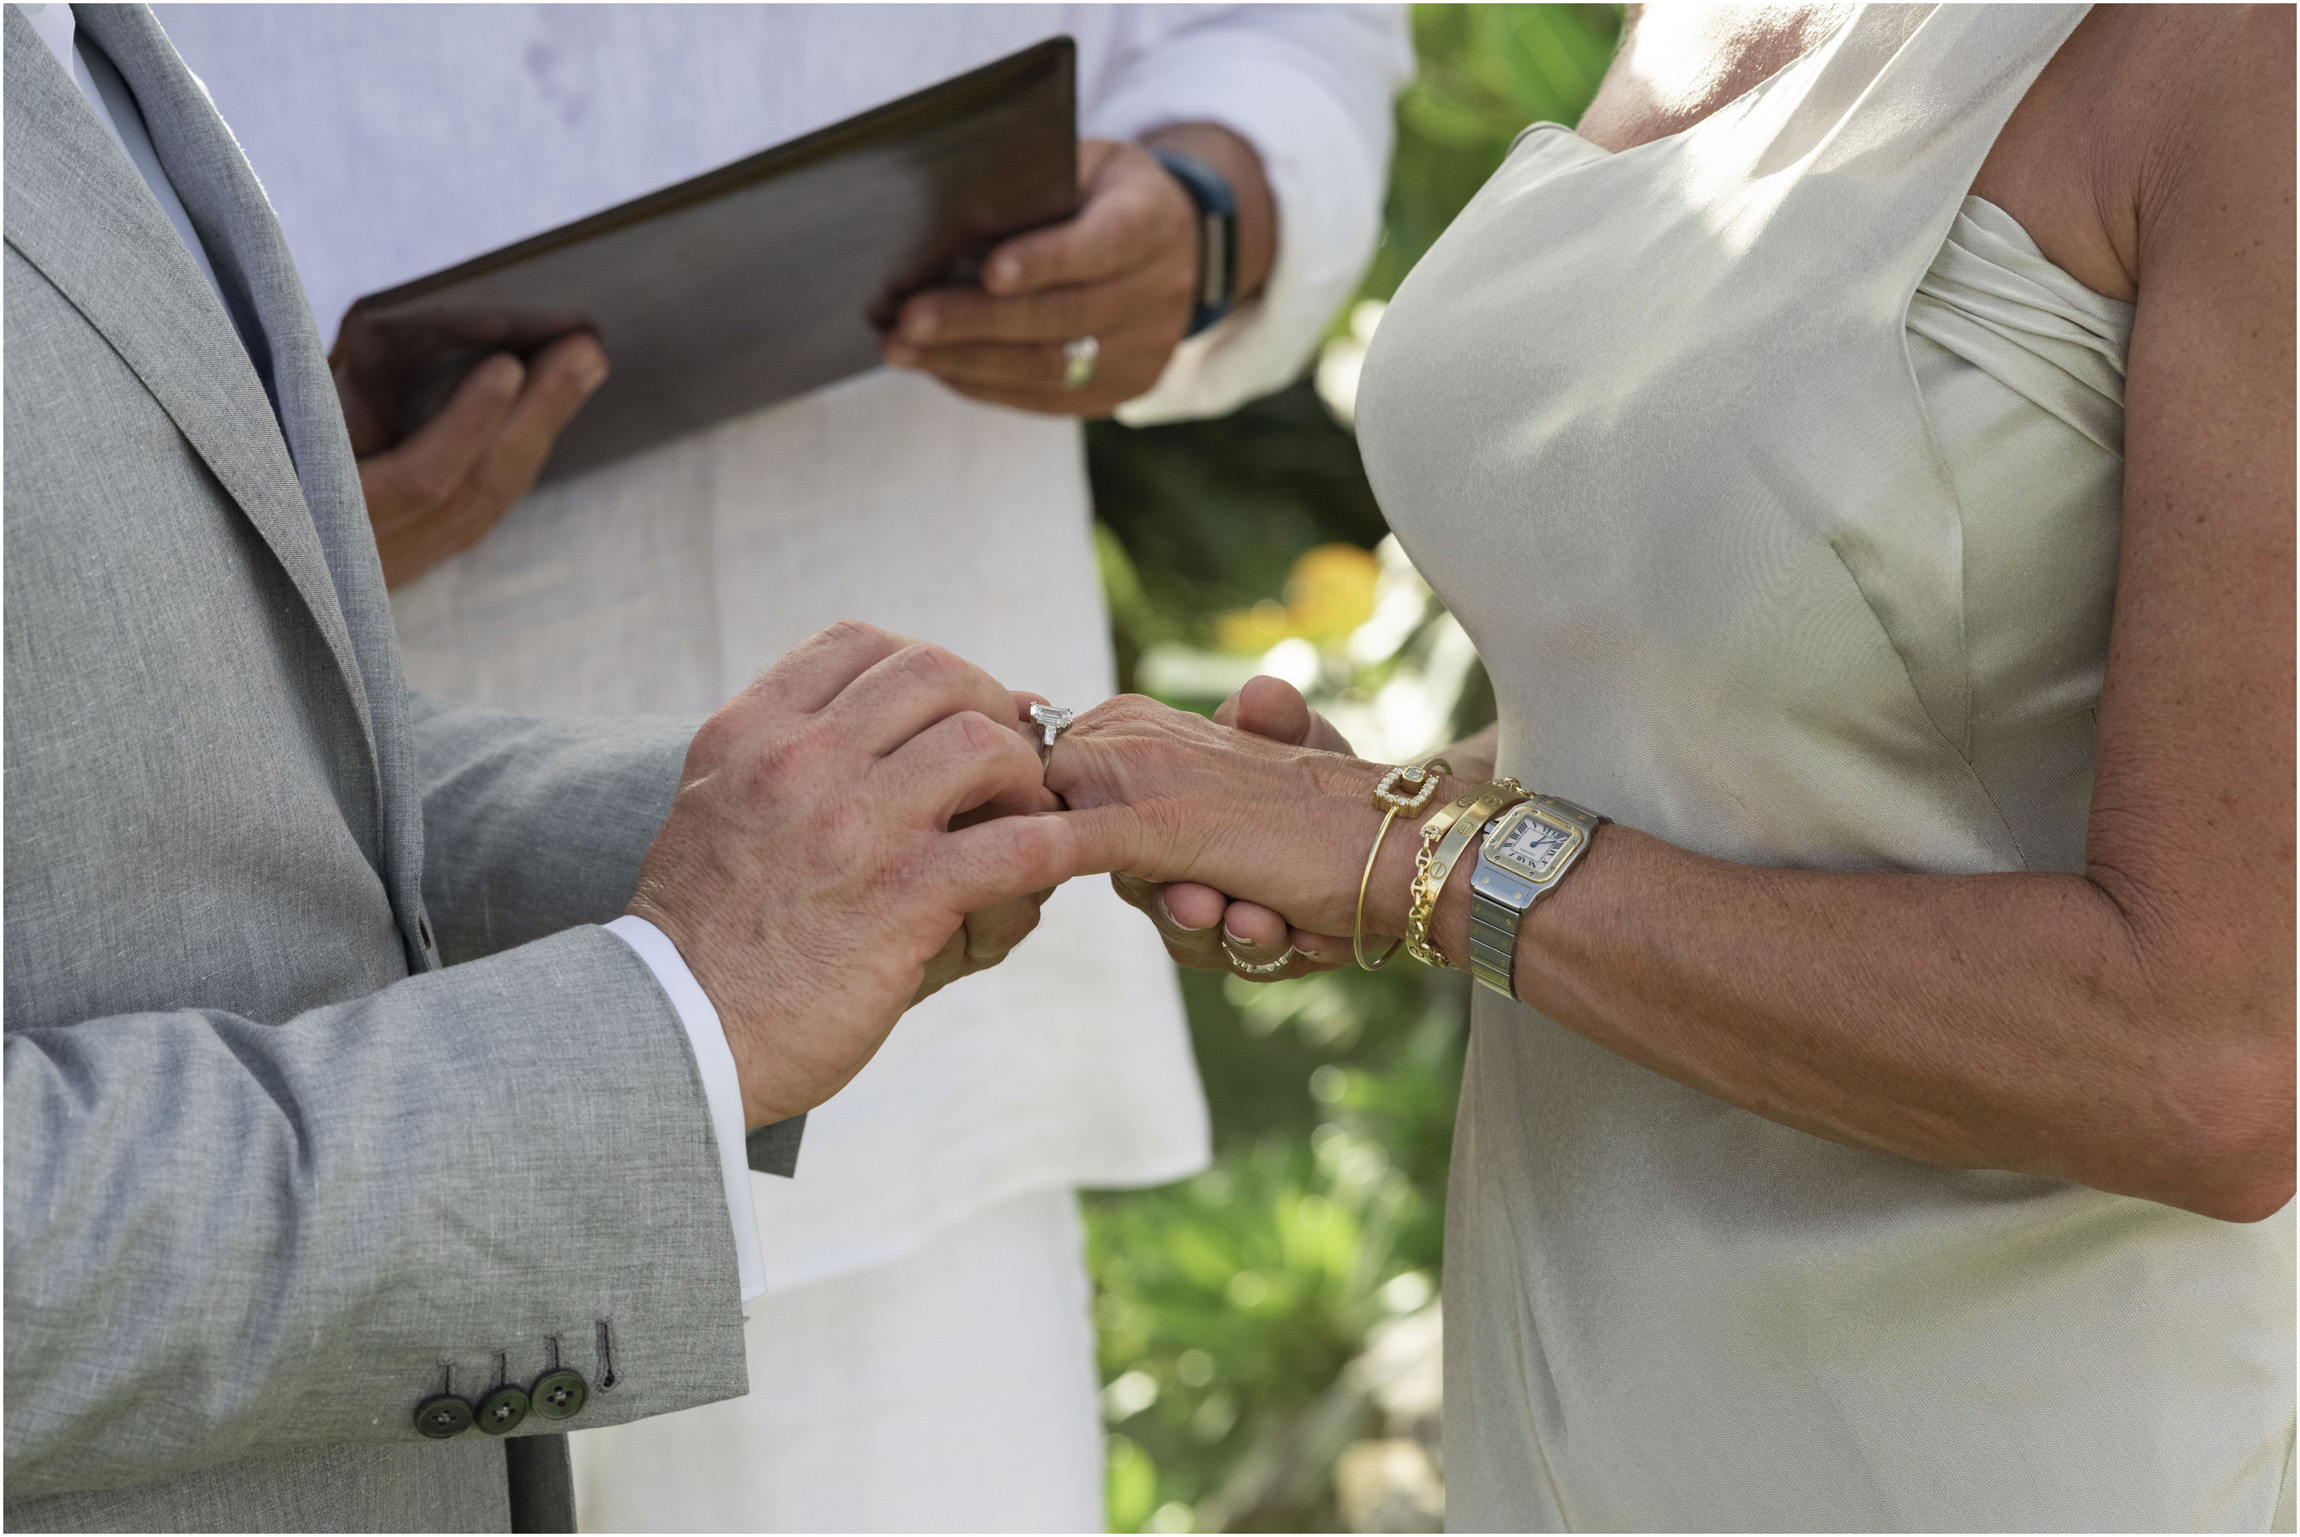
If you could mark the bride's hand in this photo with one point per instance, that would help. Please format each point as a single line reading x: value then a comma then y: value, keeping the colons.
x: 1170, y: 797
x: 1207, y: 930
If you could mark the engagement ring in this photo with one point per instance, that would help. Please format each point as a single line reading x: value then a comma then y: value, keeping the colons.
x: 1052, y: 721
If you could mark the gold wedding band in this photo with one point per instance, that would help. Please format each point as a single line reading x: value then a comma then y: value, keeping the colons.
x: 1078, y: 360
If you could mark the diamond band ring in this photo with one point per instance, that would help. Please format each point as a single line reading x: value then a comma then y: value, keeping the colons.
x: 1078, y: 359
x: 1248, y: 968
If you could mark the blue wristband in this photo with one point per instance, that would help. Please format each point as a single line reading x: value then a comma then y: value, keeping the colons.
x: 1217, y: 209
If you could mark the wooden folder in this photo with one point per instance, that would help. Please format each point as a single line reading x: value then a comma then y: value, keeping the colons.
x: 749, y: 284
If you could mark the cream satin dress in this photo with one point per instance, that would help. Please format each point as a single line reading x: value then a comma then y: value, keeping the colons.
x: 1778, y: 481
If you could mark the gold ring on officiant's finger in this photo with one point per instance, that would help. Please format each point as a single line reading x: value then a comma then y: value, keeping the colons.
x: 1257, y: 968
x: 1078, y: 359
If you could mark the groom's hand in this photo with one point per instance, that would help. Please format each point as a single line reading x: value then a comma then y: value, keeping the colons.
x: 982, y: 941
x: 835, y: 825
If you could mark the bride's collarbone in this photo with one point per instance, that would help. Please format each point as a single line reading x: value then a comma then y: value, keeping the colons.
x: 1677, y: 64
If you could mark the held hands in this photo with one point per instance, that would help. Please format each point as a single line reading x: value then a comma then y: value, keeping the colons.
x: 869, y: 821
x: 1171, y: 798
x: 836, y: 824
x: 1283, y: 855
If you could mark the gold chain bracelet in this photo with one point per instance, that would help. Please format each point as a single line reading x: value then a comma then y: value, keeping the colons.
x: 1441, y: 851
x: 1405, y: 790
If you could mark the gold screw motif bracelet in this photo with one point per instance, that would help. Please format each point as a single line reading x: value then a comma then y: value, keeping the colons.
x: 1444, y: 837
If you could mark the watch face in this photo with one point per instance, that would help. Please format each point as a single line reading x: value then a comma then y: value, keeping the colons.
x: 1534, y: 846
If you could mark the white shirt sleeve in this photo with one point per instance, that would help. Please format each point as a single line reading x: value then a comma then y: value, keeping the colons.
x: 722, y: 1090
x: 1310, y: 87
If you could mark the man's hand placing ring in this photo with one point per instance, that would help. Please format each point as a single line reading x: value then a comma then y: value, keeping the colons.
x: 1246, y: 968
x: 1078, y: 360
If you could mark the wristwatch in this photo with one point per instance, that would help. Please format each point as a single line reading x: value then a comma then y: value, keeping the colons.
x: 1217, y: 209
x: 1526, y: 852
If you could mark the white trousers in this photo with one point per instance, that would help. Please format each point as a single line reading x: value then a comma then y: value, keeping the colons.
x: 951, y: 1390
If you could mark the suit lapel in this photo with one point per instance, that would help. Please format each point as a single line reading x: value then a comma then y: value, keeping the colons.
x: 79, y: 211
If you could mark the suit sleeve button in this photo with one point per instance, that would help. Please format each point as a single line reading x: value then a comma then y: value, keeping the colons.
x: 442, y: 1417
x: 502, y: 1409
x: 559, y: 1395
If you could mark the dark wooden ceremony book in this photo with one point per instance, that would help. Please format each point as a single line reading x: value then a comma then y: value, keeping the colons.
x: 749, y: 284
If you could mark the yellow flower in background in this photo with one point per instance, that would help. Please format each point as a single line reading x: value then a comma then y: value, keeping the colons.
x: 1252, y: 631
x: 1329, y: 593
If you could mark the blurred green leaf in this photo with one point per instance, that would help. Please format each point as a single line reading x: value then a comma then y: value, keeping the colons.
x: 1132, y: 1487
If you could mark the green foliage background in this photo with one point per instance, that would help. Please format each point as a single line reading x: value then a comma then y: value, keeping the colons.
x: 1228, y: 1305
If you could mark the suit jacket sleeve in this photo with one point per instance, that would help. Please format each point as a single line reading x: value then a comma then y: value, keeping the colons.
x: 226, y: 1235
x: 535, y: 825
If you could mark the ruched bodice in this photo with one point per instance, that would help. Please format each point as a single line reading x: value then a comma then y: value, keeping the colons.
x: 2020, y: 371
x: 1778, y: 481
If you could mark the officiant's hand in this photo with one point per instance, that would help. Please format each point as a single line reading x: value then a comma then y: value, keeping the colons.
x: 437, y: 492
x: 835, y: 825
x: 1124, y: 272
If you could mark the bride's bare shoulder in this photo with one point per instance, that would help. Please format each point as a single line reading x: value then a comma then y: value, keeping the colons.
x: 1679, y: 63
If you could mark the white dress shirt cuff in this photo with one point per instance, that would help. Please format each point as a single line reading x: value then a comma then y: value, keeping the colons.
x: 722, y: 1090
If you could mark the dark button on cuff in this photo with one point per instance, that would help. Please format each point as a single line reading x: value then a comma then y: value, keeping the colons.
x: 502, y: 1409
x: 559, y: 1395
x: 442, y: 1417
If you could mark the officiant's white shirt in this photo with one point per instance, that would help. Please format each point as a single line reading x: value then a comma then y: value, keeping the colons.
x: 397, y: 140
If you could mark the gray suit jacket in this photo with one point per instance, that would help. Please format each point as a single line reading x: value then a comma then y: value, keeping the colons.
x: 273, y: 1177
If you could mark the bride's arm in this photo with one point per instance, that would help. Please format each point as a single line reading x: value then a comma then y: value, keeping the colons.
x: 2129, y: 1029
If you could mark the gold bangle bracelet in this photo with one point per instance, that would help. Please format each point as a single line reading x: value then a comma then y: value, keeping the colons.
x: 1405, y: 789
x: 1444, y: 836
